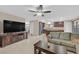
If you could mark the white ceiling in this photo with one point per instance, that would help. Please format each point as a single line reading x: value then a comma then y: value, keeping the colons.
x: 62, y: 12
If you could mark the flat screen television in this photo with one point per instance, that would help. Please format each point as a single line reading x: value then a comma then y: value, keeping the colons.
x: 12, y: 26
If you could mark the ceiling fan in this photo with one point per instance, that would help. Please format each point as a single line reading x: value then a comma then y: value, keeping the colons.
x: 39, y: 10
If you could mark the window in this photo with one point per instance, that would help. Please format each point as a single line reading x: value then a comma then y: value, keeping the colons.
x: 75, y: 26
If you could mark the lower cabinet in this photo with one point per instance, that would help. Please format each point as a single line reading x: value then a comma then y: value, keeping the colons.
x: 7, y: 40
x: 12, y: 38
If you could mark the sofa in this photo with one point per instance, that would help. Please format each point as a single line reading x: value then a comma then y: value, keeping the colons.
x: 65, y: 39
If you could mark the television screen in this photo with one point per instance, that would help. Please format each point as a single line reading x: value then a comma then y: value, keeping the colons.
x: 12, y: 26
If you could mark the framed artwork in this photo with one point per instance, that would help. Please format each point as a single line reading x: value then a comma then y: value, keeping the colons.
x: 58, y: 24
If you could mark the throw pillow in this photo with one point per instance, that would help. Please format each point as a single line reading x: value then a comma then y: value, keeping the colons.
x: 55, y: 35
x: 65, y: 36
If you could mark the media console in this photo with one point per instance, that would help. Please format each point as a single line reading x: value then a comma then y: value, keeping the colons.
x: 10, y: 38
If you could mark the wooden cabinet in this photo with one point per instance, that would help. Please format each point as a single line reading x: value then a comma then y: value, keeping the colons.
x: 59, y: 24
x: 6, y: 40
x: 10, y: 38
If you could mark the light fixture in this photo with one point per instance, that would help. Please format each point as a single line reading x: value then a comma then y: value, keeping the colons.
x: 39, y: 14
x: 49, y: 23
x: 27, y: 22
x: 39, y: 11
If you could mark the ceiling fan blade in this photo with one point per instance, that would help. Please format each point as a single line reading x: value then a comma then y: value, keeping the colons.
x: 32, y: 10
x: 46, y: 11
x: 42, y: 15
x: 38, y: 15
x: 35, y: 15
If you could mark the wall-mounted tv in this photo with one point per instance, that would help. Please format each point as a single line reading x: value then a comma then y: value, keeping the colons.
x: 12, y: 26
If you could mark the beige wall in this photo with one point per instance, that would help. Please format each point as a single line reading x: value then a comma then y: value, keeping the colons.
x: 5, y: 16
x: 34, y: 27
